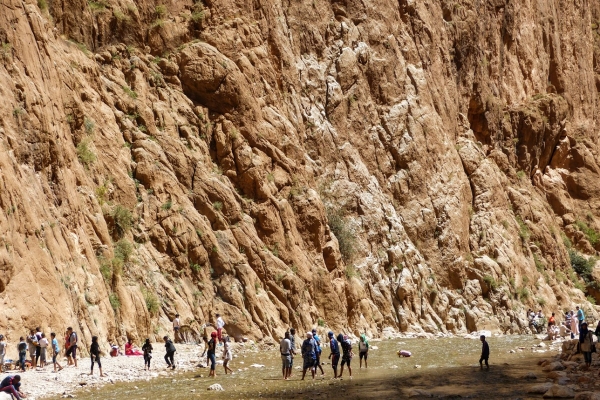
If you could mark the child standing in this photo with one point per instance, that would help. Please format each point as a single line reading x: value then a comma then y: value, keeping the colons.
x: 226, y: 354
x: 55, y: 351
x: 147, y: 349
x: 43, y: 347
x: 95, y: 355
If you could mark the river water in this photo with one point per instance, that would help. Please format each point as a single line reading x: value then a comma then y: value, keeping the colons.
x: 449, y: 367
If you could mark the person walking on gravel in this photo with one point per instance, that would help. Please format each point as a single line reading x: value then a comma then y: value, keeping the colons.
x: 317, y: 340
x: 22, y: 347
x: 170, y: 355
x: 95, y: 355
x: 147, y: 349
x: 72, y: 349
x: 227, y: 356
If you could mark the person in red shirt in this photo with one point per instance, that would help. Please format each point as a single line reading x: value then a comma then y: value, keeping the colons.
x: 551, y: 321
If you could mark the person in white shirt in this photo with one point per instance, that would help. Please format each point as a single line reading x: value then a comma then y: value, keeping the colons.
x: 176, y: 327
x: 43, y: 343
x: 220, y: 325
x: 286, y: 357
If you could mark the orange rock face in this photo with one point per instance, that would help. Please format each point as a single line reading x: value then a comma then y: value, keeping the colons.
x: 414, y: 165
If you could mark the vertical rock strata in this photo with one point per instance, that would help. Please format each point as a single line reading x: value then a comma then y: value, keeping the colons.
x: 420, y: 165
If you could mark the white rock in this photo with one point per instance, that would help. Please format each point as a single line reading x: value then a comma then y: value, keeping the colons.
x: 216, y: 386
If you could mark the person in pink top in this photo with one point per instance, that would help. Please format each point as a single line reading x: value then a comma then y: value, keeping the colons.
x: 574, y: 325
x: 131, y: 350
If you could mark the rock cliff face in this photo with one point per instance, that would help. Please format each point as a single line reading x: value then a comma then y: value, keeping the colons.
x: 421, y: 165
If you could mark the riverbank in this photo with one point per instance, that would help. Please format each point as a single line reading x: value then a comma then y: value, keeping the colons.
x: 439, y: 367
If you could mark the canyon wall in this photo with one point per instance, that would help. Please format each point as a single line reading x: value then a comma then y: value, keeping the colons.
x: 358, y: 165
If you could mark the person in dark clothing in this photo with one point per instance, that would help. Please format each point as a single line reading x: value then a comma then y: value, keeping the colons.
x: 309, y: 355
x: 170, y: 356
x: 335, y: 353
x: 12, y: 385
x: 95, y: 355
x: 211, y: 353
x: 147, y: 349
x: 347, y: 353
x: 485, y: 353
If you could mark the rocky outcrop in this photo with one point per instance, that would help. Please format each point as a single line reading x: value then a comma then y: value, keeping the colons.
x: 420, y: 165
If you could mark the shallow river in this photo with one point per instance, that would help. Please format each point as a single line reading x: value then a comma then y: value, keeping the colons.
x: 449, y: 367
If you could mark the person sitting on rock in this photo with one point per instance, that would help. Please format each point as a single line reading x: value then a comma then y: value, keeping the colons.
x: 132, y: 350
x: 12, y: 385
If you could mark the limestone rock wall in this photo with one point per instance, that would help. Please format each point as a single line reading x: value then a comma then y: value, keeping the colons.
x: 421, y: 165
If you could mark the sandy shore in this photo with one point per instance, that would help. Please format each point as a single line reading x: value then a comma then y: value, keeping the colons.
x: 42, y: 382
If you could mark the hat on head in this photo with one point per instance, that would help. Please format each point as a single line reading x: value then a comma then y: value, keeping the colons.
x: 213, y: 334
x: 330, y: 334
x: 309, y: 334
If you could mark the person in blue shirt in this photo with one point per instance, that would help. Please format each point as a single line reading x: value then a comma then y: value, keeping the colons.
x: 580, y: 317
x: 309, y: 354
x: 55, y: 351
x: 318, y: 359
x: 335, y: 353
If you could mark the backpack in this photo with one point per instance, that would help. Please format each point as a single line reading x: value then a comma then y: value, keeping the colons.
x: 22, y: 346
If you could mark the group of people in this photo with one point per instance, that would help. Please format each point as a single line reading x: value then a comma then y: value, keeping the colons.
x: 38, y: 345
x: 573, y: 321
x: 311, y: 351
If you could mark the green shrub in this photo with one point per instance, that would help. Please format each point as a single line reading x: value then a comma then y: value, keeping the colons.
x: 160, y: 10
x: 115, y: 303
x: 490, y: 281
x: 85, y: 155
x: 541, y: 301
x: 167, y: 205
x: 538, y: 264
x: 217, y: 205
x: 581, y: 265
x: 195, y: 267
x: 591, y: 300
x: 130, y: 92
x: 566, y: 240
x: 321, y: 323
x: 106, y: 269
x: 123, y: 218
x: 340, y: 228
x: 123, y: 250
x: 151, y: 300
x: 351, y: 272
x: 521, y: 174
x: 120, y: 16
x: 592, y: 236
x: 43, y: 5
x: 523, y: 229
x: 89, y: 125
x: 523, y: 293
